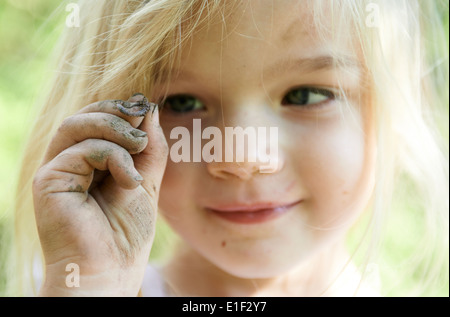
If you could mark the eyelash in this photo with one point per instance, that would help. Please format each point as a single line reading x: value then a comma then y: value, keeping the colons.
x: 314, y: 90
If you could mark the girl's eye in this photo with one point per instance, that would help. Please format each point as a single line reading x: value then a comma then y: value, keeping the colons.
x: 307, y: 96
x: 182, y: 103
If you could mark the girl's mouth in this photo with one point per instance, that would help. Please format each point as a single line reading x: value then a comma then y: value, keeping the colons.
x: 251, y: 213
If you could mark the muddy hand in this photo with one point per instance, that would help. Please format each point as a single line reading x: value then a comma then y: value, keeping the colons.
x: 96, y: 197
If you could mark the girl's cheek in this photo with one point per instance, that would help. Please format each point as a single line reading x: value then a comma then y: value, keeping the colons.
x: 330, y: 159
x: 174, y: 187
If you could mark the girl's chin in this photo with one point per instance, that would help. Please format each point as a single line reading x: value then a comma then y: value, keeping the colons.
x: 256, y: 268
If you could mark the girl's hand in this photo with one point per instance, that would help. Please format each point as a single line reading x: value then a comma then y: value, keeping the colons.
x: 95, y: 203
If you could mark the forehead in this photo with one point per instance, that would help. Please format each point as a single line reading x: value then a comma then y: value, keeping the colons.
x: 253, y: 39
x: 269, y: 28
x: 268, y: 20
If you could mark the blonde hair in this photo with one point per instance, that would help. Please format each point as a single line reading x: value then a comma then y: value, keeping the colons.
x: 122, y: 47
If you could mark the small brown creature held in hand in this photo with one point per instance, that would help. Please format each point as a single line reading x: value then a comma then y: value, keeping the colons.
x: 136, y: 109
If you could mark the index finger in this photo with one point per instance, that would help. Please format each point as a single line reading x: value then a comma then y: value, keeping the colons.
x: 132, y: 110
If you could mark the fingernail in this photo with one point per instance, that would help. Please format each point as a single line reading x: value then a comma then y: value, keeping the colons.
x: 153, y: 106
x: 138, y: 133
x: 138, y: 178
x: 155, y: 117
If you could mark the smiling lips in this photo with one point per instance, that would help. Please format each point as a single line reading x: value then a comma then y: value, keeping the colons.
x: 251, y: 213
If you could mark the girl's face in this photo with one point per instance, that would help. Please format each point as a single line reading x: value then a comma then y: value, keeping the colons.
x: 266, y: 67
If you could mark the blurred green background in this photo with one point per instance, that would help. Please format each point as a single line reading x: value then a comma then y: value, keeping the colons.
x: 27, y: 36
x: 28, y: 32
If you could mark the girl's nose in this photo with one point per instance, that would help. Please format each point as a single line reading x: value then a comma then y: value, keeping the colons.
x: 245, y: 162
x: 227, y: 170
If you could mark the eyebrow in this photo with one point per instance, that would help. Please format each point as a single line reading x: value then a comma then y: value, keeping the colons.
x: 301, y: 65
x: 313, y: 64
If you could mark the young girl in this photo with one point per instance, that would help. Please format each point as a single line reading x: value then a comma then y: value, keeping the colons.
x: 349, y: 88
